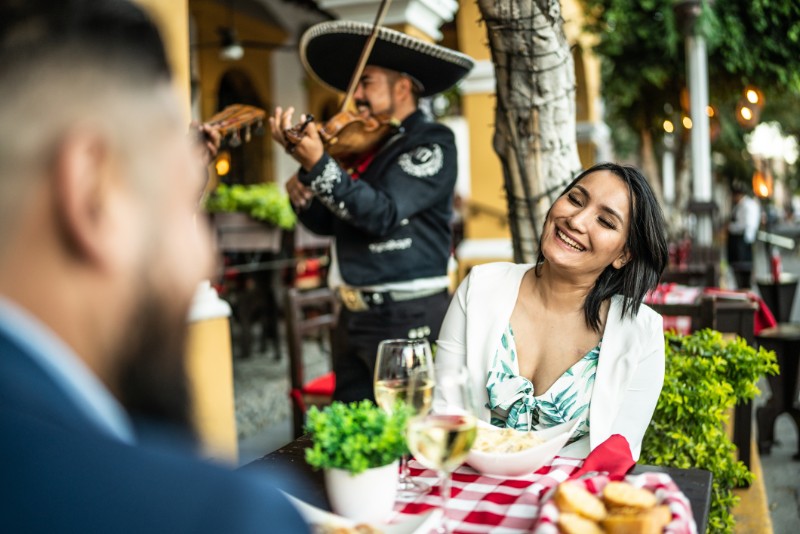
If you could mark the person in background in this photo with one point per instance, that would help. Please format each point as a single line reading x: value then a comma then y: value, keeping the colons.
x: 101, y: 251
x: 388, y: 207
x: 568, y: 338
x: 742, y: 230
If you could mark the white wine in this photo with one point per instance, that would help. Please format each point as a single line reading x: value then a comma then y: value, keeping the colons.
x: 441, y: 442
x: 389, y: 392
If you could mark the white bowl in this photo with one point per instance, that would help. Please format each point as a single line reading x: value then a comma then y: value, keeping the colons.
x: 512, y: 464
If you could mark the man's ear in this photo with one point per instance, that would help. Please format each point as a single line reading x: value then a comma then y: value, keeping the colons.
x: 80, y: 172
x: 622, y: 260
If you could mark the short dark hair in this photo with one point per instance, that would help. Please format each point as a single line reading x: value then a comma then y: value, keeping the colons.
x: 646, y: 243
x: 111, y: 31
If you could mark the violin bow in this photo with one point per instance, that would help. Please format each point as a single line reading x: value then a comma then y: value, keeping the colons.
x: 365, y: 52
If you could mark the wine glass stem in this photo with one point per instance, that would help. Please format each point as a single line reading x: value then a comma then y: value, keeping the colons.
x: 404, y: 467
x: 445, y: 476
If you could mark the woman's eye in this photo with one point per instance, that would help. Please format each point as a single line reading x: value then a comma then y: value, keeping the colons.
x: 573, y: 199
x: 607, y: 223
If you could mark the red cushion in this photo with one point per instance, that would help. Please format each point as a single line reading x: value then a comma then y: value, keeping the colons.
x: 324, y: 385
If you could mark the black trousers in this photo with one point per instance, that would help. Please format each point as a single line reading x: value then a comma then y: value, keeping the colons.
x: 356, y: 337
x: 740, y: 259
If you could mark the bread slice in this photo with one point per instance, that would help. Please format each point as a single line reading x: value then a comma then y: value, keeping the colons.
x: 622, y: 494
x: 575, y: 524
x: 650, y: 521
x: 570, y: 497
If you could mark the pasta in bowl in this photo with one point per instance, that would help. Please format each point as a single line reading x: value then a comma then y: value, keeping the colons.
x: 508, y: 452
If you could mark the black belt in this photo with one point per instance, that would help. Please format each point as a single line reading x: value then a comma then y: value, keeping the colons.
x: 360, y: 300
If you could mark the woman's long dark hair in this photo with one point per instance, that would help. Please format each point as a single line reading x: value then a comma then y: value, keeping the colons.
x: 647, y: 245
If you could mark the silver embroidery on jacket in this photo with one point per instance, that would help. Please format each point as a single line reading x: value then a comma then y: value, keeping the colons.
x: 323, y: 186
x: 422, y: 161
x: 388, y: 246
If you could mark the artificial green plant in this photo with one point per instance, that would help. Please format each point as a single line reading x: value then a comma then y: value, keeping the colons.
x: 356, y: 436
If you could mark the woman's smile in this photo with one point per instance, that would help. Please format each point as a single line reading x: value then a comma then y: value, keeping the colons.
x: 569, y: 241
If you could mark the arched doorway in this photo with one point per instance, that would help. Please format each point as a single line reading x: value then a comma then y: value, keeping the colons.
x: 247, y: 160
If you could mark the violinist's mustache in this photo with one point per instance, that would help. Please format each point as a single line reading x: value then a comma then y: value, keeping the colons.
x: 363, y: 104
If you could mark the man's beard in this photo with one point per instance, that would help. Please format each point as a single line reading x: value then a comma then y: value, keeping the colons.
x: 152, y: 382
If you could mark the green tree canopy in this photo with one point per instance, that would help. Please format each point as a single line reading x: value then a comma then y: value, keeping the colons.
x: 749, y: 41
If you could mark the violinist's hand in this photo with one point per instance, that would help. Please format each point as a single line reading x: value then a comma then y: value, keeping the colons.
x: 209, y: 142
x: 310, y: 148
x: 299, y: 195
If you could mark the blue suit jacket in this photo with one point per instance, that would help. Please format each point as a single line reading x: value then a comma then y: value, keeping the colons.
x: 59, y: 473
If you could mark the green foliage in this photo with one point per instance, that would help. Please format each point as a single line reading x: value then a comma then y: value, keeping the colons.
x: 644, y: 69
x: 355, y: 436
x: 705, y: 376
x: 264, y: 202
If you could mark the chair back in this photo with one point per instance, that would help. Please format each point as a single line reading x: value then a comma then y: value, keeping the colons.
x: 299, y: 322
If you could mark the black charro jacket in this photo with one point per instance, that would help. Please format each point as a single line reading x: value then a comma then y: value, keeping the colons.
x: 392, y: 224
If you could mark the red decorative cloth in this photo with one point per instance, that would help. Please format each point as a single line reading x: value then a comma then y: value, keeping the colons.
x: 612, y: 457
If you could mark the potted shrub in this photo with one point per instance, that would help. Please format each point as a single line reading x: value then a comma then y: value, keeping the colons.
x: 705, y: 377
x: 250, y: 217
x: 358, y: 445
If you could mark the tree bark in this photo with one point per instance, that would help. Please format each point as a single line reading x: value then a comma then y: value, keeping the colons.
x: 535, y: 135
x: 647, y: 161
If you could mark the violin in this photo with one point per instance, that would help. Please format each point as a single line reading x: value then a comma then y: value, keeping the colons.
x: 348, y: 135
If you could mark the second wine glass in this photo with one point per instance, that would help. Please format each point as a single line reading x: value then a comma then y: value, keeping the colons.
x: 397, y: 360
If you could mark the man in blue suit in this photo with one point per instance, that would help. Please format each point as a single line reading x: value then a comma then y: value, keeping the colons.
x: 101, y: 250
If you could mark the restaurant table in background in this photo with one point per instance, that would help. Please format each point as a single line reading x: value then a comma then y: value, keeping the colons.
x: 694, y: 483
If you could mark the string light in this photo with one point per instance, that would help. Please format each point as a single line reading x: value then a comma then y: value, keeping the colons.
x: 223, y: 163
x: 687, y: 123
x: 668, y: 126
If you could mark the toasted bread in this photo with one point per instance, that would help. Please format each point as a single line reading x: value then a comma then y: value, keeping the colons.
x: 575, y: 524
x: 573, y: 498
x: 650, y: 521
x: 622, y: 494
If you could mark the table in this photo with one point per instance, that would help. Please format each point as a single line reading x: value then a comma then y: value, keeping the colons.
x: 290, y: 460
x: 784, y: 339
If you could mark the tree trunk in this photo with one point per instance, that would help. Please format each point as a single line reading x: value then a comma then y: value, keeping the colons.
x: 535, y: 134
x: 647, y: 160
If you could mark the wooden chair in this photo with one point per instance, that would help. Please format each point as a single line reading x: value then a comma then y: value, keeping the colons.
x: 299, y: 322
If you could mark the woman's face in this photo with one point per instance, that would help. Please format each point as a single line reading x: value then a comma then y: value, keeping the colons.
x: 587, y: 227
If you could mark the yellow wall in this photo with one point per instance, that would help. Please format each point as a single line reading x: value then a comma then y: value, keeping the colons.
x: 172, y: 19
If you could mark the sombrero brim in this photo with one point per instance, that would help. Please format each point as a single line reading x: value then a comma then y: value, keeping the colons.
x: 330, y: 52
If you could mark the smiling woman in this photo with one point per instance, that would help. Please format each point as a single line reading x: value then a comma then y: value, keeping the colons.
x: 568, y: 338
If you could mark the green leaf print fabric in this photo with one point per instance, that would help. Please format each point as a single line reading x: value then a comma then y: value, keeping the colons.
x: 514, y: 405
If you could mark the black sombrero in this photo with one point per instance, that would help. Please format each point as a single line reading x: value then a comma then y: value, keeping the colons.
x: 330, y: 52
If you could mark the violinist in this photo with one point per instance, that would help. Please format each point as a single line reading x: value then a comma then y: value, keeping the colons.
x: 387, y: 208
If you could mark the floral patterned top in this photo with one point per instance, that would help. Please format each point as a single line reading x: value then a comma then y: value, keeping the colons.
x: 512, y: 401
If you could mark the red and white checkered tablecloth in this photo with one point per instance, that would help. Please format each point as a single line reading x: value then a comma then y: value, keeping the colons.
x: 675, y: 294
x: 481, y: 503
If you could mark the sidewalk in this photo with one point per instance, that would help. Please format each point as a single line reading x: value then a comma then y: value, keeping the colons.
x: 781, y: 472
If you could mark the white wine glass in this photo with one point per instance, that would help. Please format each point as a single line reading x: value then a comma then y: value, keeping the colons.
x: 397, y: 360
x: 442, y: 438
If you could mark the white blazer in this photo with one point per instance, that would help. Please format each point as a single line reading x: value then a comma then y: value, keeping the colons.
x: 630, y: 370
